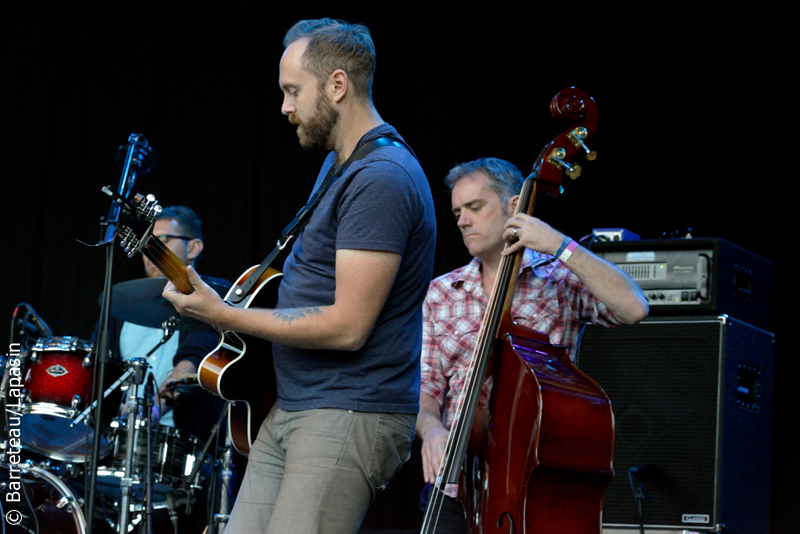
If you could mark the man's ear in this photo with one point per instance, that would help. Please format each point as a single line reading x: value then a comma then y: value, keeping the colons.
x: 511, y: 205
x: 338, y: 85
x: 195, y: 248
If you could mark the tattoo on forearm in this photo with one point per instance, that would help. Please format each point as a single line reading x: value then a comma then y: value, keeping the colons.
x: 296, y: 313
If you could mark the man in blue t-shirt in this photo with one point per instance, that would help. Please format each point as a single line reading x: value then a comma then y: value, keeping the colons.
x: 346, y: 331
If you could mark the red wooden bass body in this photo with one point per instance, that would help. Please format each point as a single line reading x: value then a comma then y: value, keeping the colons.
x: 538, y: 460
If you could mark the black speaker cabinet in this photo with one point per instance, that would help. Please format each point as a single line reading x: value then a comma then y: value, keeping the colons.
x: 692, y: 397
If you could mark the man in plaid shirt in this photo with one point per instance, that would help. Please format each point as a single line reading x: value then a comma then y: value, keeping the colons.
x: 555, y: 298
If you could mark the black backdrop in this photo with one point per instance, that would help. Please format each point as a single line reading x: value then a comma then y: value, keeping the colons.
x: 694, y: 132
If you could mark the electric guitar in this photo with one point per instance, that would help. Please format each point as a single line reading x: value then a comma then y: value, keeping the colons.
x: 248, y: 383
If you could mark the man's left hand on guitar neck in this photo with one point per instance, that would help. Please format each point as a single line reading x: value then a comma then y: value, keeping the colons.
x: 203, y: 304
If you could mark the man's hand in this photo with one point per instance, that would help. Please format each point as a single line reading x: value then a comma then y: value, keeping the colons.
x: 531, y: 233
x: 432, y: 453
x: 433, y: 434
x: 185, y: 368
x: 606, y: 281
x: 204, y: 304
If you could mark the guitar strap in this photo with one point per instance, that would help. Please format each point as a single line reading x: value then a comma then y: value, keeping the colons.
x: 293, y: 229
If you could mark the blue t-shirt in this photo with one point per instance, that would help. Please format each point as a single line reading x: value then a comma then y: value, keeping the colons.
x: 382, y: 202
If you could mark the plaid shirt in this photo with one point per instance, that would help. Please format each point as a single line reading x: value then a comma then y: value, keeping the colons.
x: 550, y: 299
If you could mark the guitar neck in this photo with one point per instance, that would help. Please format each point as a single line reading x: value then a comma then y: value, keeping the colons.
x: 168, y: 263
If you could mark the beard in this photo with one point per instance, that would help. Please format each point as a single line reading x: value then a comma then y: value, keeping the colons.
x: 315, y: 132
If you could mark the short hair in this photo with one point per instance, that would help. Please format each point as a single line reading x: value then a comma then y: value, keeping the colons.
x: 188, y: 220
x: 335, y: 44
x: 186, y: 217
x: 505, y: 178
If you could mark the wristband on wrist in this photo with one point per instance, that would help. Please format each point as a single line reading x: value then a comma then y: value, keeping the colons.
x: 566, y: 249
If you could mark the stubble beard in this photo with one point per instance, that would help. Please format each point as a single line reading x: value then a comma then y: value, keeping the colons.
x: 315, y: 133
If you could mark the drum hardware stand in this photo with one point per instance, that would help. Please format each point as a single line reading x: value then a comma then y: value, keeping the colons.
x: 221, y: 519
x: 106, y: 393
x: 149, y: 395
x: 191, y: 478
x: 169, y: 326
x: 139, y: 367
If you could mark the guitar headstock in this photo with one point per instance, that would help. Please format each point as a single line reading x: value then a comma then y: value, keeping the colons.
x: 135, y: 229
x: 568, y: 105
x: 136, y: 221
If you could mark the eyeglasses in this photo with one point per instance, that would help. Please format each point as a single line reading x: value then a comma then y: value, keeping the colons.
x: 166, y: 237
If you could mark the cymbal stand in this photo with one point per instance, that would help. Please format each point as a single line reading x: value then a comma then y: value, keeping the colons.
x: 169, y: 325
x: 149, y: 395
x: 139, y: 366
x: 221, y: 519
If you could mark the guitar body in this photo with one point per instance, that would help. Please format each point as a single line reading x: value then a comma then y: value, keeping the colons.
x: 249, y: 382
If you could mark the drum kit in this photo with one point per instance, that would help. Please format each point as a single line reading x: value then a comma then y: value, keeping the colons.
x: 48, y: 393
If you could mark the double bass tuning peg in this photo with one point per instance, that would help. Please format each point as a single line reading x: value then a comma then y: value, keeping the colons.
x: 558, y: 154
x: 577, y: 136
x: 556, y: 159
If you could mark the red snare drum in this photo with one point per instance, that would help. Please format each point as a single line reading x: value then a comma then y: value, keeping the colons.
x: 58, y: 385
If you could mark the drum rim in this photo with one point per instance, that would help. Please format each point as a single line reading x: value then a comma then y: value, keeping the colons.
x: 75, y: 509
x: 49, y: 408
x: 61, y: 344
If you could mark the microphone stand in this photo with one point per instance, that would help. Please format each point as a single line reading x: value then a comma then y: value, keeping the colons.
x: 642, y: 474
x: 138, y: 158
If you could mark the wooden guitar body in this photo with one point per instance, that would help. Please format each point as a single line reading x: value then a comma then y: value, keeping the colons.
x: 249, y: 382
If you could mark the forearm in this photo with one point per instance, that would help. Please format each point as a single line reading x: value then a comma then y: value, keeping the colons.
x: 363, y: 282
x: 306, y: 328
x: 429, y: 420
x: 605, y: 281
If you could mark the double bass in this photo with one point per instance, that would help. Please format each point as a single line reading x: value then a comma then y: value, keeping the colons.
x: 538, y: 460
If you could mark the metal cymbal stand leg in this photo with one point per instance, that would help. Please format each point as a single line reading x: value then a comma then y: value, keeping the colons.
x: 139, y: 365
x: 149, y: 395
x: 221, y: 519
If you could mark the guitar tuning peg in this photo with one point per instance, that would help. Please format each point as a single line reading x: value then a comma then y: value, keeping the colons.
x: 130, y: 242
x: 148, y: 206
x: 556, y: 159
x: 577, y: 136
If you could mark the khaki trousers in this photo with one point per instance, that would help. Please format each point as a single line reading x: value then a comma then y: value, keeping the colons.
x: 317, y: 471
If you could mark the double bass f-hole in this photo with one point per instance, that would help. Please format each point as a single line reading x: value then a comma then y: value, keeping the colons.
x: 510, y: 521
x: 501, y: 459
